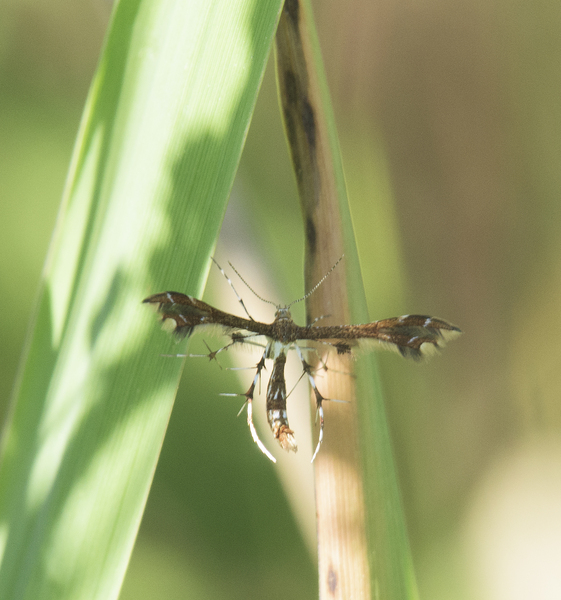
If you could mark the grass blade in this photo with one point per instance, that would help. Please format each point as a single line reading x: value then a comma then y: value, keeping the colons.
x: 156, y: 155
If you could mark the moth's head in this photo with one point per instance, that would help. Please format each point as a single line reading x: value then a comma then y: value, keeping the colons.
x: 283, y: 314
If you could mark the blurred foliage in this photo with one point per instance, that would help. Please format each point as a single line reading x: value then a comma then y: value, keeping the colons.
x: 450, y: 127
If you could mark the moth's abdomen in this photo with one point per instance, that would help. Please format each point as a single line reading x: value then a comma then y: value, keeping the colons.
x: 276, y: 406
x: 281, y: 430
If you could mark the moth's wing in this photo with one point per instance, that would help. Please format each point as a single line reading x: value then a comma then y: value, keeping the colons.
x: 182, y: 313
x: 413, y: 336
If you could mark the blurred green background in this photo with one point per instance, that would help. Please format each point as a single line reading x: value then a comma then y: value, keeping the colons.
x: 450, y: 125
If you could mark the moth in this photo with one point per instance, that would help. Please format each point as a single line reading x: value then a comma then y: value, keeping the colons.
x: 412, y: 336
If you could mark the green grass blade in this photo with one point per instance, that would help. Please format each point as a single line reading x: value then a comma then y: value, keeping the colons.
x: 155, y: 159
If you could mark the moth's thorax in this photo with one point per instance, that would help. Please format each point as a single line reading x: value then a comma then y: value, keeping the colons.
x: 283, y: 329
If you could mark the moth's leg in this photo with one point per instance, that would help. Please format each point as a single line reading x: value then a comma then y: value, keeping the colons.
x: 236, y: 338
x: 249, y: 396
x: 323, y: 365
x: 257, y: 344
x: 319, y: 400
x: 329, y: 349
x: 249, y: 402
x: 308, y: 370
x: 211, y: 353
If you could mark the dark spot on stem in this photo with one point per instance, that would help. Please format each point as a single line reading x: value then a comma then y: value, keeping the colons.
x: 292, y: 9
x: 309, y: 123
x: 311, y: 236
x: 290, y: 88
x: 332, y: 580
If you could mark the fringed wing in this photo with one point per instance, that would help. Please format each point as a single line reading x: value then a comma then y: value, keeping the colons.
x: 185, y: 313
x: 413, y: 336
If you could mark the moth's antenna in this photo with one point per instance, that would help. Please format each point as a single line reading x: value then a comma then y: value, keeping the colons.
x: 317, y: 284
x: 248, y: 286
x: 232, y: 286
